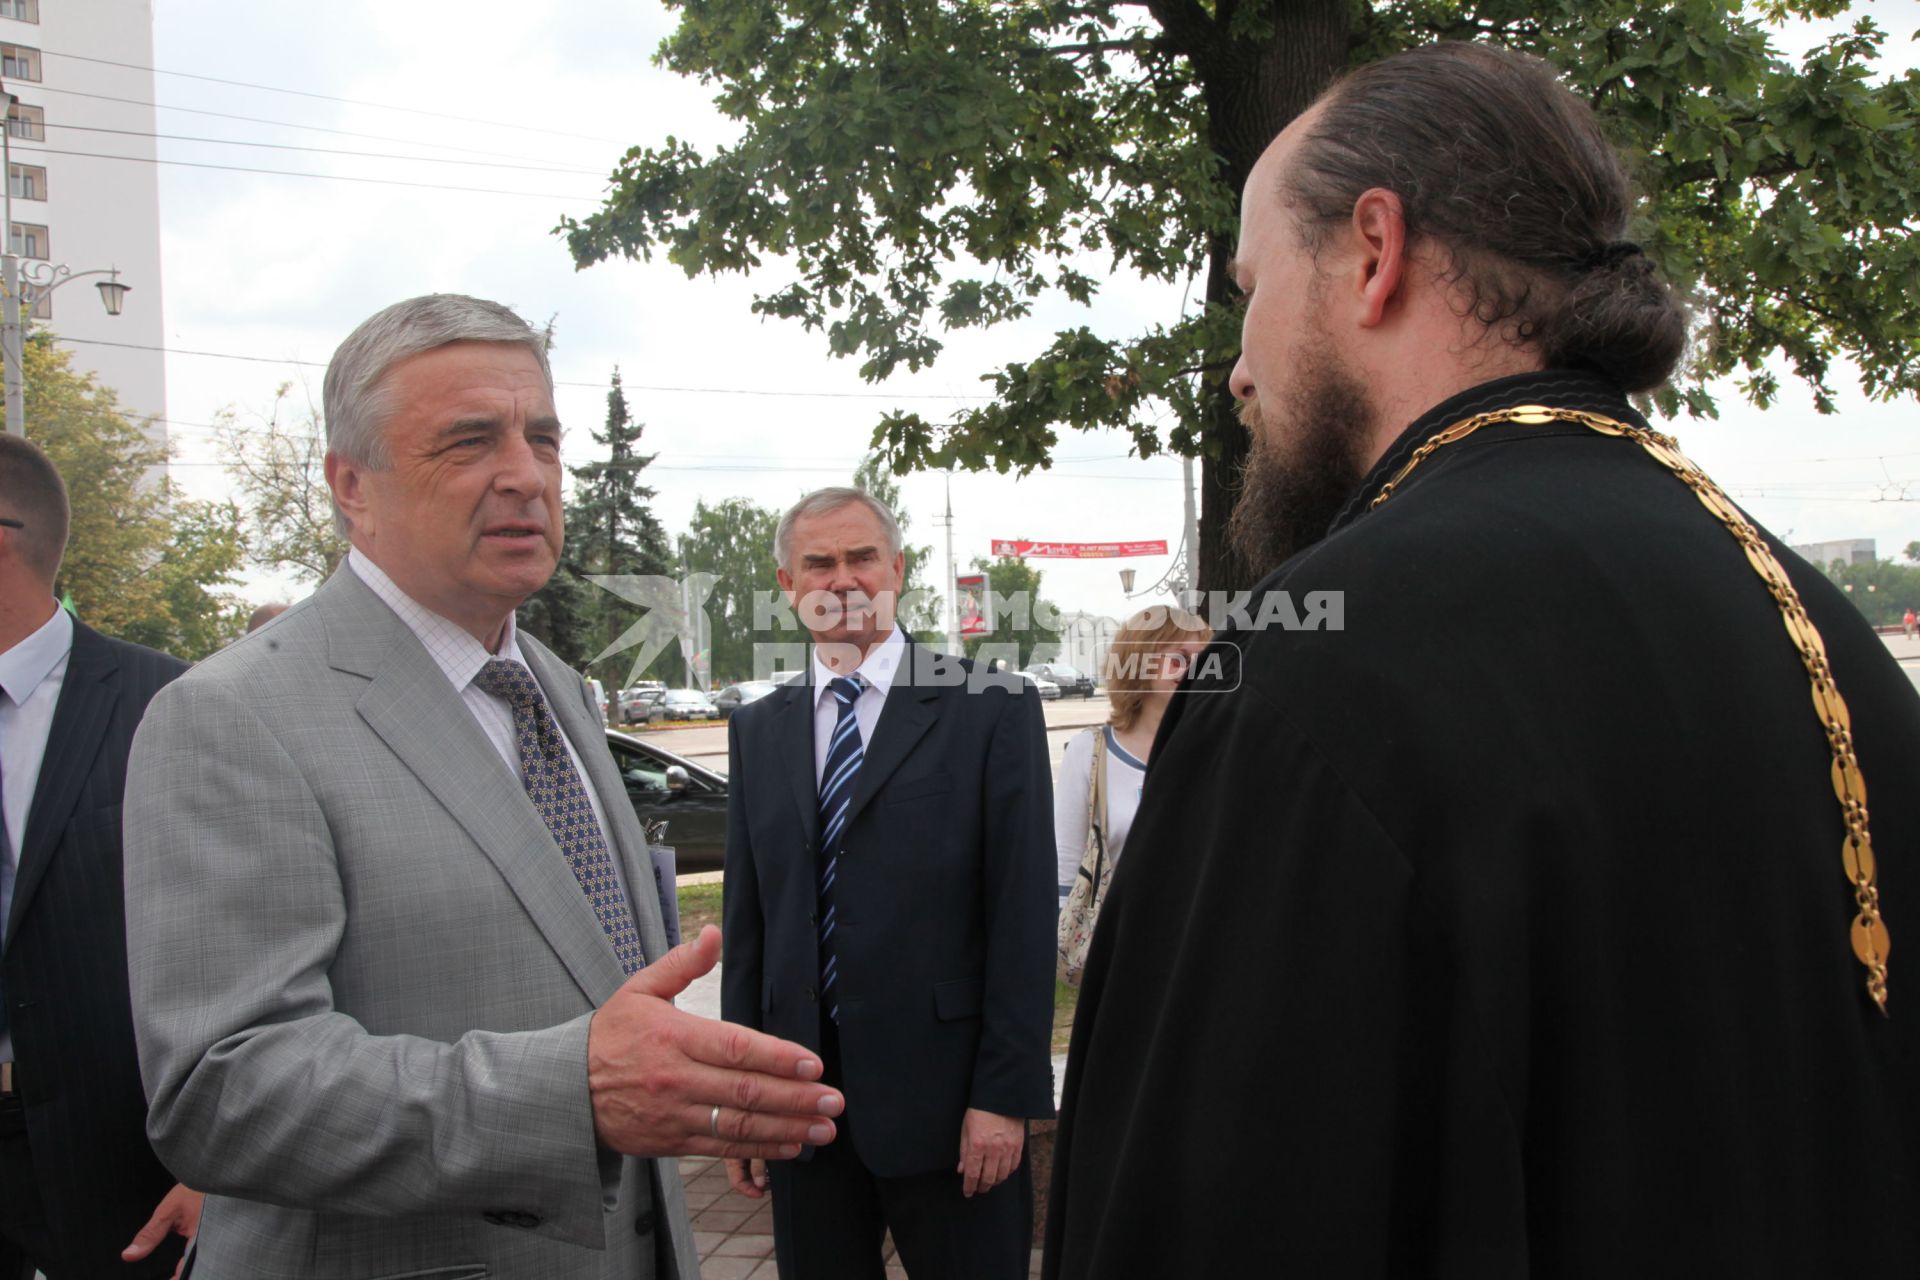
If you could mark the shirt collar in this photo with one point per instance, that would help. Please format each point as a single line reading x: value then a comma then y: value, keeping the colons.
x: 878, y: 667
x: 450, y: 645
x: 24, y: 666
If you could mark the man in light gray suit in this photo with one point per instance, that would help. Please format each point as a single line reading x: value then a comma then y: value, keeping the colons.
x: 401, y: 989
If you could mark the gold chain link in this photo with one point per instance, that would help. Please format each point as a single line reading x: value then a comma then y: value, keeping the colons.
x: 1869, y: 933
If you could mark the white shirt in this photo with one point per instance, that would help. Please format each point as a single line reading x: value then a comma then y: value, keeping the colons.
x: 1125, y: 778
x: 878, y: 668
x: 31, y: 676
x: 460, y: 656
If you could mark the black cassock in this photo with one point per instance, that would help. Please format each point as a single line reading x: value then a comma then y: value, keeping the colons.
x: 1505, y: 931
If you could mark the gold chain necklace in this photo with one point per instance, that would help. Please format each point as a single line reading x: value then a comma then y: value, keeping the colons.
x: 1869, y: 933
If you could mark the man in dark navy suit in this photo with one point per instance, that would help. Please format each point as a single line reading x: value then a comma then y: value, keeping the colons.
x: 889, y: 899
x: 81, y: 1192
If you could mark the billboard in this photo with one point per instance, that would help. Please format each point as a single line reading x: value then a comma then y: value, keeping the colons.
x: 1023, y: 549
x: 970, y: 603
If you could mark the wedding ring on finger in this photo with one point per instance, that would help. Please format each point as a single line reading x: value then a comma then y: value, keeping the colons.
x: 713, y: 1121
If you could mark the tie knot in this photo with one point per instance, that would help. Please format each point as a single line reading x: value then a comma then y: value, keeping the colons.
x: 505, y: 678
x: 847, y: 688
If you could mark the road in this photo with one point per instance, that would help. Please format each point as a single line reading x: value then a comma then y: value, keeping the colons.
x: 707, y: 744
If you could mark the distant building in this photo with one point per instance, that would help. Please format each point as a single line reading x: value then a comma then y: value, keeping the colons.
x: 81, y: 70
x: 1084, y: 641
x: 1845, y: 550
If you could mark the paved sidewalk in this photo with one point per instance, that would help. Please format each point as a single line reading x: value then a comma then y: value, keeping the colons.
x: 735, y: 1235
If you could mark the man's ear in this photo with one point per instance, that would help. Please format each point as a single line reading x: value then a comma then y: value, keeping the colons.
x: 785, y: 580
x: 1380, y: 239
x: 347, y: 480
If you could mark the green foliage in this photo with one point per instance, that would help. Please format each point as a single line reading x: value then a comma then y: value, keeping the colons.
x: 930, y: 165
x: 1882, y: 590
x: 144, y: 562
x: 278, y: 471
x: 1019, y: 615
x: 610, y: 530
x: 733, y: 541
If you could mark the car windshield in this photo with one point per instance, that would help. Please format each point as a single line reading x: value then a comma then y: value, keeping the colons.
x: 684, y: 696
x: 1067, y: 673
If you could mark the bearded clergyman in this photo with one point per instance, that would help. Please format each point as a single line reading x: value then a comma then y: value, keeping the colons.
x: 1537, y: 921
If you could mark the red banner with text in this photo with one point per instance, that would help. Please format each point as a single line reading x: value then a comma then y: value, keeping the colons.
x: 1076, y: 550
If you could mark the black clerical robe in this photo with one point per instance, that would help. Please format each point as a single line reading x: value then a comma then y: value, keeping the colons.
x: 1503, y: 931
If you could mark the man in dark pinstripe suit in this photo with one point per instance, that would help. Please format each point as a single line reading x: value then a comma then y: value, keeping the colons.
x: 81, y: 1193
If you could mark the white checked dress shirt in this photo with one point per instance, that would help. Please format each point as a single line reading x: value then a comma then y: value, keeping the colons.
x: 460, y: 656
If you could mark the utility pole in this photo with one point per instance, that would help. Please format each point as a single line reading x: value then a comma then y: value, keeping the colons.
x: 1189, y: 538
x: 44, y: 276
x: 952, y: 592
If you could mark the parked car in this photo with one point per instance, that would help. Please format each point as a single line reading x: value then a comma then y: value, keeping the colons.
x: 690, y: 798
x: 682, y: 704
x: 1070, y: 679
x: 599, y: 692
x: 1047, y: 689
x: 636, y: 702
x: 736, y: 696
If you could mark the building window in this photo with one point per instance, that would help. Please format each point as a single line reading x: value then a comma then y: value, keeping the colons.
x: 27, y: 122
x: 29, y: 240
x: 17, y: 62
x: 28, y: 181
x: 20, y: 10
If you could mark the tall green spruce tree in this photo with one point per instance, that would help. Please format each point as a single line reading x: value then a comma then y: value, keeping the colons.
x: 610, y: 530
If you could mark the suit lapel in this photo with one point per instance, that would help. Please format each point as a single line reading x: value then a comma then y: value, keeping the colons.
x: 793, y: 728
x: 414, y: 709
x: 88, y: 695
x: 911, y: 707
x: 564, y: 691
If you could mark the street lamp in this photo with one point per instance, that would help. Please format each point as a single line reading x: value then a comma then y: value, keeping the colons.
x: 45, y: 277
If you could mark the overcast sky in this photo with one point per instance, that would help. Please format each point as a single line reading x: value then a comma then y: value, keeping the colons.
x: 283, y: 267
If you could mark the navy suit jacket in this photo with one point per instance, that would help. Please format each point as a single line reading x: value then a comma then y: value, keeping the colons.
x: 944, y: 901
x: 65, y: 958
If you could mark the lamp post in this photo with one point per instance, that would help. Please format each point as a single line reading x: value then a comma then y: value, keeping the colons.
x: 45, y: 277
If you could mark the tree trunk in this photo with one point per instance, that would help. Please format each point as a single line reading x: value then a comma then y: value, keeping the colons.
x: 1253, y: 89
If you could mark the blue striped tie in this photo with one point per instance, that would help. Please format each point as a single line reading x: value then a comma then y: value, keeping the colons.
x: 844, y: 754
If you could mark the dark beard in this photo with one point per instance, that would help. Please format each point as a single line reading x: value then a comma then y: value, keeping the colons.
x: 1291, y: 490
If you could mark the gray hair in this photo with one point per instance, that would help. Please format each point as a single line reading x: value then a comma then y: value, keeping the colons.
x: 354, y: 397
x: 822, y: 501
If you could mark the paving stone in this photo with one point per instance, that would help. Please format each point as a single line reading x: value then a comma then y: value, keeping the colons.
x: 745, y: 1246
x: 722, y: 1217
x: 728, y: 1268
x: 705, y: 1242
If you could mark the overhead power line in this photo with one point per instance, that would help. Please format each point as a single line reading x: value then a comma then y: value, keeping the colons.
x: 323, y: 151
x: 296, y: 173
x: 591, y: 386
x: 279, y: 124
x: 325, y: 97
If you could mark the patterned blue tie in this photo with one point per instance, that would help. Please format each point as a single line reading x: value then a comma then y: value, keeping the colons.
x: 836, y: 794
x: 556, y: 791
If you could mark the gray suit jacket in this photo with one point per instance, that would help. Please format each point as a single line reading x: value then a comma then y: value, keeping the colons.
x: 362, y: 972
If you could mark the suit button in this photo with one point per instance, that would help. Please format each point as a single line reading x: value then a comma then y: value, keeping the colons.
x: 643, y: 1225
x: 810, y: 995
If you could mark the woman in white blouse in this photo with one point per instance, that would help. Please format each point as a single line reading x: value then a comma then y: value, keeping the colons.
x: 1148, y: 658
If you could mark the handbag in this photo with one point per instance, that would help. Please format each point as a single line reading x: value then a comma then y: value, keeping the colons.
x: 1089, y: 890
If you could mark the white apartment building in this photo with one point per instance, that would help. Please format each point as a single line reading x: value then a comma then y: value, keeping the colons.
x: 85, y: 190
